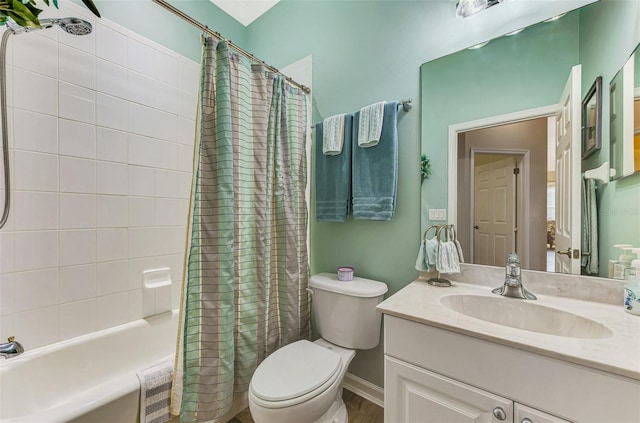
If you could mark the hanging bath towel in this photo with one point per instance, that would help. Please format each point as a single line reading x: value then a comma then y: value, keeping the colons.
x: 589, y: 226
x: 155, y: 390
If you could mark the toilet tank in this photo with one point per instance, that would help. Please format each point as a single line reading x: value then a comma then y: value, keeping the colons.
x: 345, y: 312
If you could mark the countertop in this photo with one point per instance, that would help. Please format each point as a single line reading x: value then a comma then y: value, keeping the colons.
x: 618, y: 353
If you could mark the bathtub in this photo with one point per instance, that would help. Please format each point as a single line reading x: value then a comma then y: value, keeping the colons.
x: 90, y: 379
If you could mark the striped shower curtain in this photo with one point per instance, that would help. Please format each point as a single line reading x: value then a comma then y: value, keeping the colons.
x: 247, y: 266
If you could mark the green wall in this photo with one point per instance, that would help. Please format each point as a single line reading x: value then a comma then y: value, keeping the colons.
x: 155, y: 23
x: 609, y: 32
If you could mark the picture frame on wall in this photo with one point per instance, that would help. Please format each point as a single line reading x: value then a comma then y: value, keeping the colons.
x: 592, y: 119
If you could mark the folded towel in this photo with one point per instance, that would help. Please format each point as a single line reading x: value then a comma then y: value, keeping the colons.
x: 333, y: 177
x: 375, y: 170
x: 370, y: 125
x: 426, y: 260
x: 589, y: 226
x: 333, y: 135
x: 155, y: 390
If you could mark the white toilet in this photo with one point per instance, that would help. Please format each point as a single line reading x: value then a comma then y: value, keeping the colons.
x: 302, y: 382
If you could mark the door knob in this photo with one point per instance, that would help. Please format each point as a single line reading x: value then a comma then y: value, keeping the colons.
x: 476, y: 227
x: 566, y: 252
x: 526, y: 420
x: 499, y: 413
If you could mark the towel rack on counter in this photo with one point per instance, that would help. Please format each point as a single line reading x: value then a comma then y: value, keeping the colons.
x: 602, y: 173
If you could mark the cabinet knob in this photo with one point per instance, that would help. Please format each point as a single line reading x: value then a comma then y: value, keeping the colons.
x: 526, y: 420
x: 499, y: 413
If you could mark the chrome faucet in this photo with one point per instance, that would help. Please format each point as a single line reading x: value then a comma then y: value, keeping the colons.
x: 11, y: 348
x: 512, y: 286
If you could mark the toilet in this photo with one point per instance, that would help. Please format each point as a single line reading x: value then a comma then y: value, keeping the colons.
x: 302, y: 381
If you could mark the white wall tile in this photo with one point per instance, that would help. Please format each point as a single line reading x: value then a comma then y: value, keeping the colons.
x: 167, y: 183
x: 37, y: 54
x: 77, y: 175
x: 6, y: 326
x: 112, y: 310
x: 143, y: 151
x: 77, y: 211
x: 113, y: 211
x: 77, y: 67
x: 112, y: 145
x: 138, y: 265
x: 185, y: 158
x: 166, y: 126
x: 187, y: 104
x: 77, y: 318
x: 166, y: 68
x: 6, y: 293
x: 35, y: 210
x: 167, y: 155
x: 113, y: 277
x: 142, y: 242
x: 77, y: 103
x: 140, y: 88
x: 112, y: 112
x: 165, y: 98
x: 184, y: 184
x: 111, y: 45
x: 141, y: 181
x: 42, y: 248
x: 6, y: 252
x: 37, y: 327
x: 113, y: 244
x: 135, y: 304
x: 186, y: 131
x: 37, y: 289
x: 111, y: 79
x: 77, y: 283
x: 35, y: 171
x: 141, y: 211
x: 77, y: 247
x: 35, y: 131
x: 112, y: 178
x: 77, y: 139
x: 143, y: 120
x: 140, y: 57
x: 167, y: 212
x: 188, y: 76
x: 38, y: 93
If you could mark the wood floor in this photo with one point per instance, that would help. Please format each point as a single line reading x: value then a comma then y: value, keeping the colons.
x: 359, y: 410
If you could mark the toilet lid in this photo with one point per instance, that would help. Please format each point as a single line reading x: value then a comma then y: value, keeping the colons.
x: 294, y: 370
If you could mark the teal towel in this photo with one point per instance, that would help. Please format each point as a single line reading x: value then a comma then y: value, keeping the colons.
x: 333, y: 177
x: 375, y: 170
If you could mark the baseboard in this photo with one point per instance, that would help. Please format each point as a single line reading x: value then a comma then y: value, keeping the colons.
x: 365, y: 389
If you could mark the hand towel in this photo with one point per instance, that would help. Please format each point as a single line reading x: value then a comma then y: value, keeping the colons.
x: 375, y: 170
x: 333, y: 135
x: 155, y: 390
x: 370, y: 125
x: 333, y: 177
x: 426, y: 260
x: 589, y: 227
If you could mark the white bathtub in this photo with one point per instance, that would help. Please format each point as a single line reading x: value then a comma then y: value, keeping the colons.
x: 90, y: 379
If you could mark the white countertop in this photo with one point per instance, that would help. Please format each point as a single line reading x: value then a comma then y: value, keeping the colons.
x: 619, y: 353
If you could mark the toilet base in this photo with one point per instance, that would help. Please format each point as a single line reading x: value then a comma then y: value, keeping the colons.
x: 337, y: 413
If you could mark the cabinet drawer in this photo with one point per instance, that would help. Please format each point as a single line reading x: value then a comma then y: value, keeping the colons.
x: 524, y: 414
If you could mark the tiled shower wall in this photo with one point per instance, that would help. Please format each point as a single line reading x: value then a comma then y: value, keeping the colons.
x: 101, y: 130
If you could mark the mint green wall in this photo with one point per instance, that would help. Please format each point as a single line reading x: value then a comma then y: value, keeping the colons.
x: 509, y: 74
x: 609, y: 32
x: 155, y: 23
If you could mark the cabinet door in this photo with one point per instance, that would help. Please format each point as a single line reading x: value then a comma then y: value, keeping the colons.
x: 524, y: 414
x: 416, y: 395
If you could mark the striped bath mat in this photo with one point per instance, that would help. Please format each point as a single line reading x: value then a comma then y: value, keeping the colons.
x: 155, y: 392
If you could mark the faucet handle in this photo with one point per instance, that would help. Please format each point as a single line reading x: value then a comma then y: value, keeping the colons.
x: 11, y: 338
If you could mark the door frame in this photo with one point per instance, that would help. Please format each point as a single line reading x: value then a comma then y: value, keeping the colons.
x: 523, y: 199
x: 458, y: 128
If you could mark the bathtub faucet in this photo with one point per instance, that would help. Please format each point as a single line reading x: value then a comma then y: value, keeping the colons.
x: 11, y: 348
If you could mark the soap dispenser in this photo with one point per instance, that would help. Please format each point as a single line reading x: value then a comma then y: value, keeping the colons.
x: 632, y: 288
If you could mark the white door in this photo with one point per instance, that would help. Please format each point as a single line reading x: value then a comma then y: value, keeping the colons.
x: 493, y: 212
x: 413, y: 395
x: 568, y: 176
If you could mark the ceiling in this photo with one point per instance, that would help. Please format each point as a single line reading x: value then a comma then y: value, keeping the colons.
x: 245, y: 11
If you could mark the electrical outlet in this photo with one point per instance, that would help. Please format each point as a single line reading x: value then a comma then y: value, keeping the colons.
x: 437, y: 214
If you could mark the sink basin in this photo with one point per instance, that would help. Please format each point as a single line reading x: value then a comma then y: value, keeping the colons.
x: 526, y: 315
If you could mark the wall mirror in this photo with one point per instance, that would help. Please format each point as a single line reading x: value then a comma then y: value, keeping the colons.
x: 624, y: 118
x: 494, y: 123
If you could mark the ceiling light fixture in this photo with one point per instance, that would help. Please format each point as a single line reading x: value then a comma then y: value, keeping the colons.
x: 555, y: 18
x: 477, y: 46
x: 466, y: 8
x: 517, y: 31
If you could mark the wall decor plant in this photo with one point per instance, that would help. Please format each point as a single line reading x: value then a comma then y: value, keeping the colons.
x: 25, y: 12
x: 425, y: 167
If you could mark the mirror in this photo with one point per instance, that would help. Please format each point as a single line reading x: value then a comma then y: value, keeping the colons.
x: 624, y: 118
x: 495, y: 107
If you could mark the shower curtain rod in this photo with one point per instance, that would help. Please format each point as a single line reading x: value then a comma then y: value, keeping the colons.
x: 217, y: 35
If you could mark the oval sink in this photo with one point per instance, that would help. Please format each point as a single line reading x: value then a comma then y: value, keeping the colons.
x: 526, y: 315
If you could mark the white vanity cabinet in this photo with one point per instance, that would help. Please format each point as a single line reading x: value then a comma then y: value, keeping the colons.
x: 437, y: 375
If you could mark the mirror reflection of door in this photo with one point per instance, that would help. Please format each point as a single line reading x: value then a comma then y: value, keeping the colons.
x: 494, y: 207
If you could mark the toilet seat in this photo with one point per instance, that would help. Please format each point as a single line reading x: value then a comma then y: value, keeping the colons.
x: 294, y: 374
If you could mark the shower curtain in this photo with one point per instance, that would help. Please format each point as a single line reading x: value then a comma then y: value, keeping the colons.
x: 247, y: 267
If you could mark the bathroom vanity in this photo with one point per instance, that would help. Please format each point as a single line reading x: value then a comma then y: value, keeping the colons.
x: 464, y: 354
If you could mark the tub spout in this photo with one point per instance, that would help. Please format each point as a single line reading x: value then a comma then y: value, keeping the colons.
x: 11, y: 348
